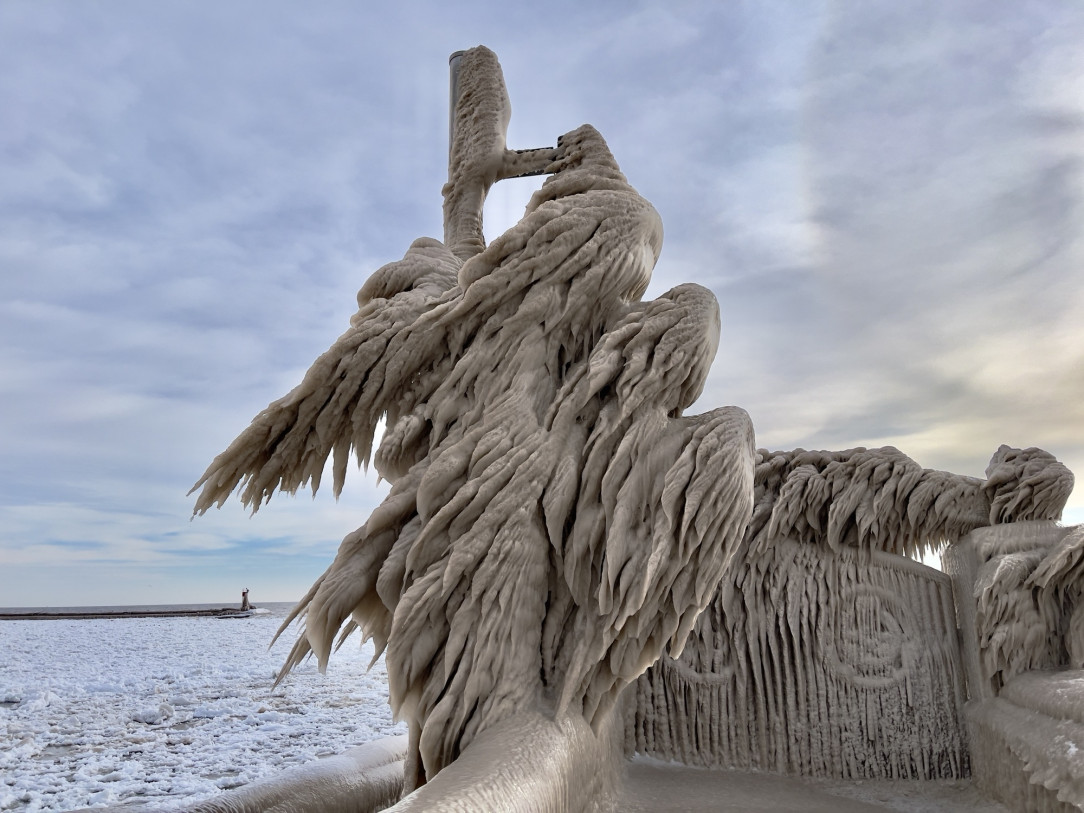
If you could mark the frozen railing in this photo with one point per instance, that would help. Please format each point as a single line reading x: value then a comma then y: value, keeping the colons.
x: 818, y: 663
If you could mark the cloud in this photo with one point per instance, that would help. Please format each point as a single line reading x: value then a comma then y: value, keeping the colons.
x: 948, y: 212
x: 886, y: 199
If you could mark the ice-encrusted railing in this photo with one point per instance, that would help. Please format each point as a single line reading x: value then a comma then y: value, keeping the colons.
x: 826, y: 651
x: 830, y: 664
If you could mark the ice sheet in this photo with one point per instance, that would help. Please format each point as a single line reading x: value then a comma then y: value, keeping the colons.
x: 96, y: 712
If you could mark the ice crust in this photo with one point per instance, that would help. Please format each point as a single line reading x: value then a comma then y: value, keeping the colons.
x: 121, y: 710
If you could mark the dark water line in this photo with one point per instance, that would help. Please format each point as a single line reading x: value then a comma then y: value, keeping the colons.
x: 138, y: 611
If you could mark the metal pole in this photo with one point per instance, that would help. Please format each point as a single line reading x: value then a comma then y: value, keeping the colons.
x: 453, y: 95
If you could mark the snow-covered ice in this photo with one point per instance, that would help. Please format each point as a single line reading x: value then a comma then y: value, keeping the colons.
x: 108, y: 711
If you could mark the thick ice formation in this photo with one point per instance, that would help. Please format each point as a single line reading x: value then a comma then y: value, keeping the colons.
x: 554, y: 523
x: 1029, y: 602
x: 880, y: 499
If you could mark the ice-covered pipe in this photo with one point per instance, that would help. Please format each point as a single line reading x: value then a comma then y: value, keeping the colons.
x: 453, y: 95
x: 529, y: 761
x: 361, y: 780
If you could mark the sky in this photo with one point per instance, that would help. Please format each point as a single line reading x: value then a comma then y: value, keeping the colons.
x: 887, y: 198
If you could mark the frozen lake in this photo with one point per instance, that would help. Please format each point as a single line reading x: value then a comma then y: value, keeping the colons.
x: 108, y: 711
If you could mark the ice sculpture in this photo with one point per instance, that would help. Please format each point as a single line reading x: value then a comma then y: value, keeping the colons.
x: 555, y: 524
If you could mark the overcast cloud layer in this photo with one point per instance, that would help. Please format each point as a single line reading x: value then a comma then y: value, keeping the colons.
x: 886, y: 197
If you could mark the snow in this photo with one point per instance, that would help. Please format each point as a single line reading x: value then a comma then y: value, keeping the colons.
x: 99, y: 712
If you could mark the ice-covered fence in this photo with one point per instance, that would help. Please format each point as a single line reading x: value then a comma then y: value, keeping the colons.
x: 815, y: 662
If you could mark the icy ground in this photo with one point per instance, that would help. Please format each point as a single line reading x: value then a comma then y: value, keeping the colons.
x: 98, y: 712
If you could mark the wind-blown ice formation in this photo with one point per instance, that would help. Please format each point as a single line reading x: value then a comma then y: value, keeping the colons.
x: 554, y: 523
x: 880, y: 499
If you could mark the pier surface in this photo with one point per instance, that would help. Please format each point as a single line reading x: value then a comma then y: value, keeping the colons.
x: 223, y: 612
